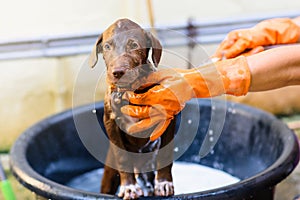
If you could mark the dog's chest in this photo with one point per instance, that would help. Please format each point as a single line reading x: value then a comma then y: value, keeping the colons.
x: 116, y: 102
x: 122, y: 122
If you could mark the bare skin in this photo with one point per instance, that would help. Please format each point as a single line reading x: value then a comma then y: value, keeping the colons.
x: 275, y: 68
x: 297, y: 21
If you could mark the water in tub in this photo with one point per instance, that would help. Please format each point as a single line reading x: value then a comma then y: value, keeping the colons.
x: 188, y: 178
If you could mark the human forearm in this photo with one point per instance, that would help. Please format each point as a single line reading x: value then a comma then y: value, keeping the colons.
x: 173, y: 87
x: 271, y: 69
x: 297, y: 21
x: 275, y: 68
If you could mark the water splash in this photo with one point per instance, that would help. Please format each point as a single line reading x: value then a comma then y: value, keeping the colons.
x: 176, y: 149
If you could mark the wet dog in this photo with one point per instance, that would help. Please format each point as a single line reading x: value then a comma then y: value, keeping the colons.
x: 135, y: 165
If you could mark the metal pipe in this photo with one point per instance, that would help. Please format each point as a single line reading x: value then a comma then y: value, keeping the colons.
x: 206, y: 32
x: 151, y: 16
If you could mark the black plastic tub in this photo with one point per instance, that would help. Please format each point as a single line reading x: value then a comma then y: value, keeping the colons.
x: 254, y: 146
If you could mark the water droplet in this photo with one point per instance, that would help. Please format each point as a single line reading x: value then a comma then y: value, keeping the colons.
x: 212, y: 152
x: 117, y: 100
x: 176, y: 149
x: 196, y: 158
x: 94, y: 111
x: 210, y: 132
x: 189, y: 121
x: 218, y: 165
x: 211, y: 139
x: 213, y: 107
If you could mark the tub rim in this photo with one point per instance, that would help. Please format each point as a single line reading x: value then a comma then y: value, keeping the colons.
x: 42, y: 186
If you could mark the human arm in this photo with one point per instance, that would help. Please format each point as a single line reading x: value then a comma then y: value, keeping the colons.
x: 172, y: 88
x: 296, y: 20
x: 252, y: 40
x: 274, y: 68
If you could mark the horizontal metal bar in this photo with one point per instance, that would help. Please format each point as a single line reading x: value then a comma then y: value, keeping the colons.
x: 203, y: 32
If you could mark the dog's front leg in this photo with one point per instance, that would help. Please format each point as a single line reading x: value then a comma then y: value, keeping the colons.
x: 110, y: 179
x: 163, y: 180
x: 123, y: 162
x: 129, y: 189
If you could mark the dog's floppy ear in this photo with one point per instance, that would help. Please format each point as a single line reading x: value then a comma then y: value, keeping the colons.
x: 156, y: 48
x: 93, y: 59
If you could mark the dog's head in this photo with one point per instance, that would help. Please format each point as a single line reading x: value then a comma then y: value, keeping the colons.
x: 125, y: 47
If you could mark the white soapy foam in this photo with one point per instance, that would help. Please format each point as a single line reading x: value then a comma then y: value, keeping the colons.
x: 187, y: 178
x: 190, y: 177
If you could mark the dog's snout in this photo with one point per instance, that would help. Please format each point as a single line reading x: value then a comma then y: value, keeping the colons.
x: 118, y: 73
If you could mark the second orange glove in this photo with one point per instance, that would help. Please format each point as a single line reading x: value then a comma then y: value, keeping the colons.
x: 268, y: 32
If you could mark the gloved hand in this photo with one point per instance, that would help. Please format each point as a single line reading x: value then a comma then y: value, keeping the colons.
x: 268, y: 32
x: 174, y: 87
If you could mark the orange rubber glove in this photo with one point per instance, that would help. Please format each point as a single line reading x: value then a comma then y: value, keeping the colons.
x: 268, y: 32
x: 174, y: 87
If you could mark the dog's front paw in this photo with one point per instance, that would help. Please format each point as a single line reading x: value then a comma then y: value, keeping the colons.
x: 130, y: 191
x: 163, y: 188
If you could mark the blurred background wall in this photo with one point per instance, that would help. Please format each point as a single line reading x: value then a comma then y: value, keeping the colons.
x: 34, y: 88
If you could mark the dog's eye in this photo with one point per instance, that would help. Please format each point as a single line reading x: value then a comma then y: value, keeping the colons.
x: 106, y: 47
x: 134, y: 45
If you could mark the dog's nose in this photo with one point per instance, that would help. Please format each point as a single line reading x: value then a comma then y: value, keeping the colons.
x: 118, y: 73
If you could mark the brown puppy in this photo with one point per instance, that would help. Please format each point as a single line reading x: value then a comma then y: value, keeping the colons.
x: 131, y: 160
